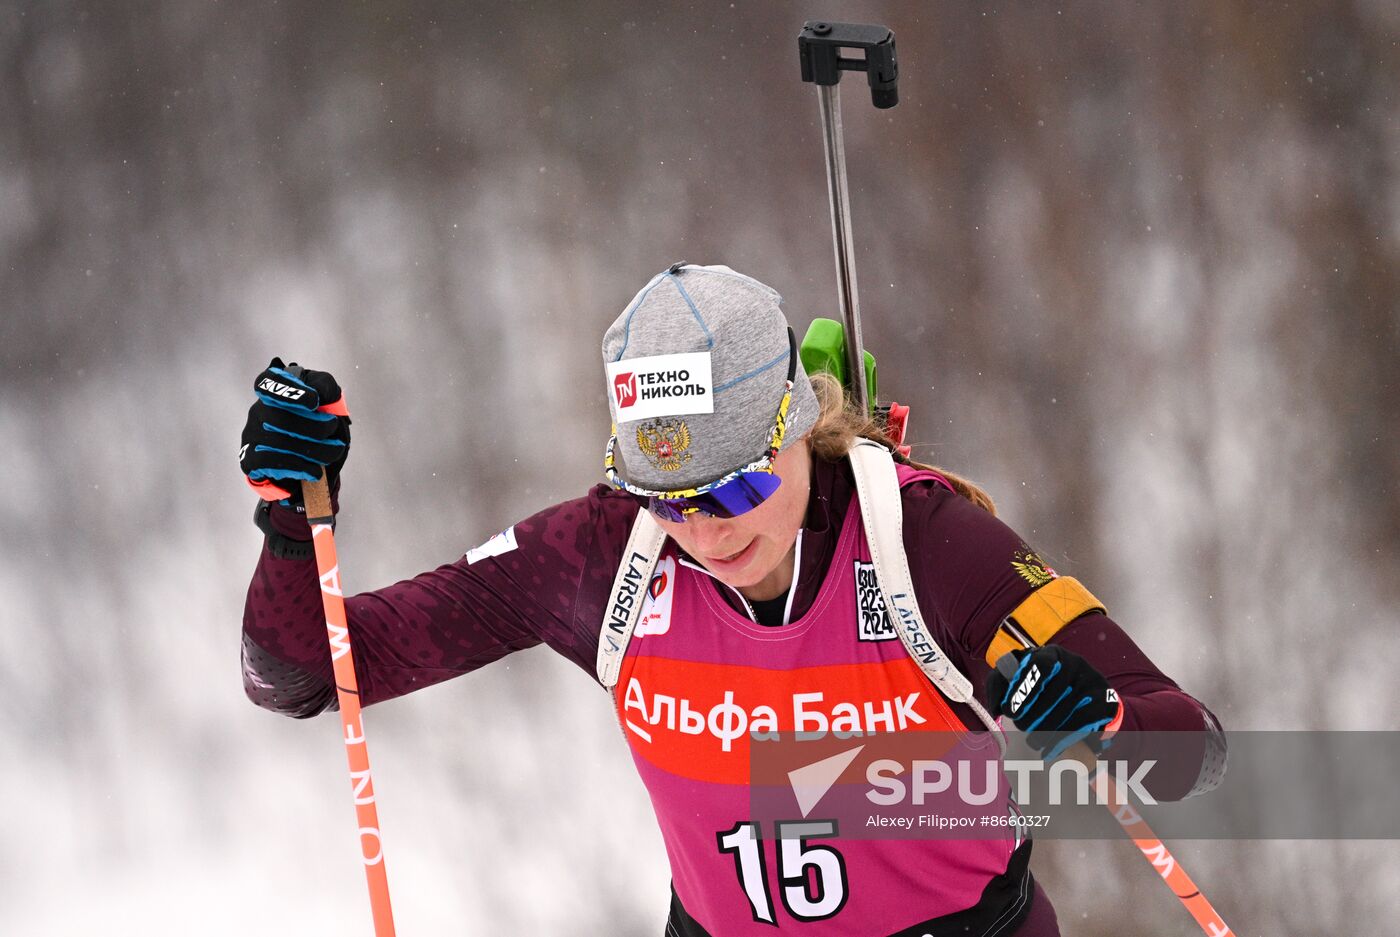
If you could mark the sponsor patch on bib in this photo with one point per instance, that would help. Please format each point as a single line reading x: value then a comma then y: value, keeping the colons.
x: 656, y: 610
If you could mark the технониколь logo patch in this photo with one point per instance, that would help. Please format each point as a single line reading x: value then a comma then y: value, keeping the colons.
x: 661, y: 386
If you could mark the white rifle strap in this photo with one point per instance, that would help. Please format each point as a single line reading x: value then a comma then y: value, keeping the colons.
x: 629, y: 589
x: 882, y: 509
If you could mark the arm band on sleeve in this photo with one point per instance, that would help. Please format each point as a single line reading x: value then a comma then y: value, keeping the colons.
x: 1044, y: 612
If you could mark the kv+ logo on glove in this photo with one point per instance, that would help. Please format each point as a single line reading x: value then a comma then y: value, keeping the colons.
x: 297, y: 428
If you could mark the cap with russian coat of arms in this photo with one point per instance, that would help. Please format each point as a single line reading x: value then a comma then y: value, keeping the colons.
x: 696, y: 367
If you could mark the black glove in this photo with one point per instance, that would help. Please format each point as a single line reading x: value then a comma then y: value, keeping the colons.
x: 1056, y: 697
x: 297, y: 427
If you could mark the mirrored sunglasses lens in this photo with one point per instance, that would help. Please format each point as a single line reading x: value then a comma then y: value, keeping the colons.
x: 739, y: 496
x: 667, y: 510
x: 736, y: 497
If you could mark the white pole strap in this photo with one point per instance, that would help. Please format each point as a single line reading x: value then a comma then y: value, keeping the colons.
x: 877, y: 484
x: 629, y: 590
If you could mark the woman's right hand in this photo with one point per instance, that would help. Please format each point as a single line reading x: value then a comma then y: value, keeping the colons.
x: 297, y: 428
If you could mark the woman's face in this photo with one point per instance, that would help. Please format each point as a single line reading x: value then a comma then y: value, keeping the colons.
x: 753, y: 552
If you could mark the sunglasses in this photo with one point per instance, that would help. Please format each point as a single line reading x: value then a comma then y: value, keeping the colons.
x: 737, y: 493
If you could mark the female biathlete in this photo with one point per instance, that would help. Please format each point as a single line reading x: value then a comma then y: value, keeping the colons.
x: 732, y: 495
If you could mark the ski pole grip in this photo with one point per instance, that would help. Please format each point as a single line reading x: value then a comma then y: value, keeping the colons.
x: 819, y: 47
x: 317, y: 497
x: 1006, y: 663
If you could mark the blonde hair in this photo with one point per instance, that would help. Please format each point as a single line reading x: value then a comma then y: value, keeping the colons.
x: 839, y: 425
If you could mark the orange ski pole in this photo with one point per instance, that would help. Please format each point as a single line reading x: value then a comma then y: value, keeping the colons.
x: 1153, y: 849
x: 318, y: 513
x: 1156, y: 852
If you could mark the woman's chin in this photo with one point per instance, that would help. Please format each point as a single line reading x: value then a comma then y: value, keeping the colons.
x: 736, y: 570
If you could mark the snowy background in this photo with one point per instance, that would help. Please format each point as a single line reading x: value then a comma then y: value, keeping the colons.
x: 1135, y: 265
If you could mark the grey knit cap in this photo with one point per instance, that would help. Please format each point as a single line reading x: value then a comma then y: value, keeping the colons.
x: 696, y: 367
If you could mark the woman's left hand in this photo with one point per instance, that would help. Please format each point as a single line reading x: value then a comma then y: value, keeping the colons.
x: 1057, y: 698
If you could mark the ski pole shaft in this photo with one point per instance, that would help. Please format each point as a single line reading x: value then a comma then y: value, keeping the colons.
x: 1128, y: 817
x: 318, y: 513
x: 848, y: 298
x: 819, y: 48
x: 1166, y: 865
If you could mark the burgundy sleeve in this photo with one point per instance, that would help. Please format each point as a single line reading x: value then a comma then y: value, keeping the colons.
x: 970, y: 570
x: 1189, y: 761
x: 549, y: 587
x: 961, y: 559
